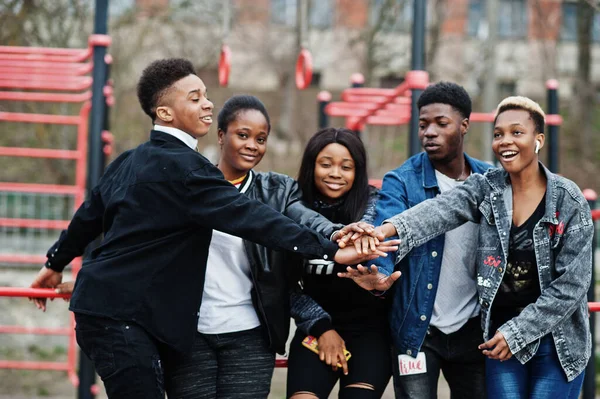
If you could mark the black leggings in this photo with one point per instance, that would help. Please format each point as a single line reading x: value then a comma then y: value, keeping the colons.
x: 370, y: 364
x: 225, y: 366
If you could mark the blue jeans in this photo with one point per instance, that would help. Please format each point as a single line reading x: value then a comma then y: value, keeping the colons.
x: 541, y: 377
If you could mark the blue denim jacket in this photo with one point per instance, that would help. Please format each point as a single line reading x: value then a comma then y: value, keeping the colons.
x: 563, y: 250
x: 414, y: 294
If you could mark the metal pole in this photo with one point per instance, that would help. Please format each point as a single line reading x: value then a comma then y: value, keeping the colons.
x: 323, y: 98
x: 589, y: 382
x: 357, y: 80
x: 87, y: 374
x: 490, y: 87
x: 417, y: 64
x: 226, y: 20
x: 552, y: 86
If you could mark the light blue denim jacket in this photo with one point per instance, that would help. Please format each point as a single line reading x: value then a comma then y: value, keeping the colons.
x: 563, y: 250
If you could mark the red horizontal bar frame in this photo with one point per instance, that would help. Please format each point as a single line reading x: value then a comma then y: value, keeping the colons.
x: 48, y: 67
x: 594, y: 306
x: 82, y: 55
x: 281, y: 363
x: 482, y: 117
x: 387, y: 120
x: 42, y: 50
x: 34, y: 330
x: 23, y: 259
x: 80, y: 83
x: 38, y: 153
x: 46, y: 97
x: 351, y: 98
x: 40, y: 118
x: 44, y: 78
x: 49, y: 70
x: 20, y: 292
x: 40, y: 188
x: 34, y: 223
x: 33, y: 365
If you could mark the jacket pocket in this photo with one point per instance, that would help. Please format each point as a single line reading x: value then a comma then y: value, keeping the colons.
x: 486, y: 210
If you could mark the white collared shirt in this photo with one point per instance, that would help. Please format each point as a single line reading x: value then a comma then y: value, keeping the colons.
x: 180, y: 134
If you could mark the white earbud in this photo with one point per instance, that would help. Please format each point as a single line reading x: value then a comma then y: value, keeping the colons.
x: 537, y: 146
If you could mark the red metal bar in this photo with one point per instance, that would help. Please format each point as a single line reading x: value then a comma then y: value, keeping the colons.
x: 49, y: 67
x: 387, y: 120
x: 22, y: 259
x: 33, y: 365
x: 367, y: 91
x: 43, y: 79
x: 84, y: 55
x: 482, y: 117
x: 20, y: 292
x: 398, y: 91
x: 281, y: 362
x: 34, y: 223
x: 81, y: 164
x: 49, y: 70
x: 595, y: 214
x: 38, y: 153
x: 34, y: 330
x: 79, y: 83
x: 40, y: 188
x: 42, y: 50
x: 46, y: 97
x: 594, y: 306
x: 40, y: 118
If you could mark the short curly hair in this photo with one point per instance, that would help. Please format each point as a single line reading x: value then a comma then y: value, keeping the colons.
x: 156, y: 80
x: 447, y: 93
x: 525, y: 104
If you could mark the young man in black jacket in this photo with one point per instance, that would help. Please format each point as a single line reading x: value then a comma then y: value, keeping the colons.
x: 138, y: 294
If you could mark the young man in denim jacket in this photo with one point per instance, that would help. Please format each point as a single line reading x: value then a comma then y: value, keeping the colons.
x: 435, y: 312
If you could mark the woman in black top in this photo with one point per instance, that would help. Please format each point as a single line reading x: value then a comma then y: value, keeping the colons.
x: 334, y: 182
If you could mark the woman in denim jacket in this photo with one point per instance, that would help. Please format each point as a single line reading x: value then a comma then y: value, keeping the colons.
x: 534, y: 260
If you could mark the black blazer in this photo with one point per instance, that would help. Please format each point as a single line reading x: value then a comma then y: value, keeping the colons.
x: 157, y: 205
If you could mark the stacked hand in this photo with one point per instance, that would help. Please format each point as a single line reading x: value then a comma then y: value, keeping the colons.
x: 370, y: 278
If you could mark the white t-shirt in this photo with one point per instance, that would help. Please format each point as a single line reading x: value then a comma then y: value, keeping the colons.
x: 227, y: 302
x: 456, y: 297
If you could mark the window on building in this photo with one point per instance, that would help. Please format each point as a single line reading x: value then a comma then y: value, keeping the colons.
x: 568, y: 30
x: 320, y: 14
x: 512, y: 18
x: 395, y: 15
x: 283, y: 12
x: 507, y: 89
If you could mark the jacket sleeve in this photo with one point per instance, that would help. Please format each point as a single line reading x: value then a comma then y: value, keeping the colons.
x: 436, y: 216
x: 371, y: 209
x: 300, y: 213
x: 393, y: 200
x: 212, y: 202
x: 309, y: 316
x: 566, y: 292
x: 84, y: 227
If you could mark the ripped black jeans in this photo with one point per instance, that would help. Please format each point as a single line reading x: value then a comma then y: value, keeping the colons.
x: 125, y: 356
